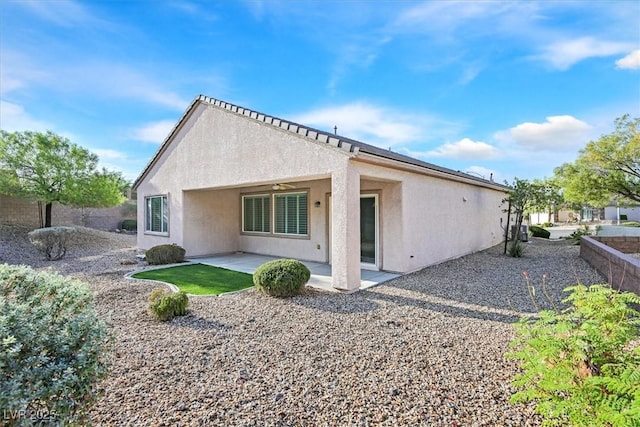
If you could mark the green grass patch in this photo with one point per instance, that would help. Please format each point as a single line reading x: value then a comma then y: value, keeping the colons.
x: 200, y: 279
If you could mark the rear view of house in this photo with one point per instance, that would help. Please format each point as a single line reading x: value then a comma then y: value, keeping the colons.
x: 231, y: 179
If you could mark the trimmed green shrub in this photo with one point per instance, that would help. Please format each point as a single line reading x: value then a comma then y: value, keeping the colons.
x: 281, y: 278
x: 165, y: 254
x: 623, y: 217
x: 53, y: 347
x: 547, y: 224
x: 52, y: 241
x: 515, y: 249
x: 129, y: 225
x: 539, y: 232
x: 165, y: 305
x: 578, y: 365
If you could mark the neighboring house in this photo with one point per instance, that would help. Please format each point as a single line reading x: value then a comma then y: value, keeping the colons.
x: 230, y: 179
x: 614, y: 213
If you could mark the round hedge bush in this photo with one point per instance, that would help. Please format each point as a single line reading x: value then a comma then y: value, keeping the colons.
x: 281, y: 278
x: 53, y: 348
x: 539, y: 232
x: 165, y: 254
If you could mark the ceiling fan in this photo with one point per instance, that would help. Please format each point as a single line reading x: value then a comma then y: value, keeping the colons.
x: 282, y: 186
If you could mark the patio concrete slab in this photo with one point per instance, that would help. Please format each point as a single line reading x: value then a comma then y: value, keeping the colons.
x: 320, y: 272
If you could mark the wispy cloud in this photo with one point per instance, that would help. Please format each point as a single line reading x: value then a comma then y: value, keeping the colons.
x: 374, y: 124
x: 154, y: 132
x: 109, y: 154
x: 564, y: 54
x: 463, y: 149
x: 14, y: 118
x: 62, y: 13
x: 556, y: 133
x: 630, y: 62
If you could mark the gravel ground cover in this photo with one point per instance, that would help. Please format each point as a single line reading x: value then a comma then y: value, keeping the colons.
x: 424, y: 349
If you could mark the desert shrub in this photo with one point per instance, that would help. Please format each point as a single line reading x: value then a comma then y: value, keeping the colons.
x: 539, y: 232
x: 52, y: 241
x: 515, y: 249
x: 165, y: 254
x: 579, y: 366
x: 166, y: 305
x: 53, y: 347
x: 585, y: 230
x: 129, y: 225
x: 281, y: 278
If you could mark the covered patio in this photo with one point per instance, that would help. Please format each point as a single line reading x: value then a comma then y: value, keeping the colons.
x: 320, y: 272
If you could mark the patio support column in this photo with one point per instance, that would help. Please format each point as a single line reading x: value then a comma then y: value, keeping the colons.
x: 345, y: 231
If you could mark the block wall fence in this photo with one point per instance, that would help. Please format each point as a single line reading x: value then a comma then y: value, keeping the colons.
x: 610, y: 256
x: 18, y: 211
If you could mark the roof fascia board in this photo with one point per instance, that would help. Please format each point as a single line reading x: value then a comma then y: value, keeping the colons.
x: 408, y: 167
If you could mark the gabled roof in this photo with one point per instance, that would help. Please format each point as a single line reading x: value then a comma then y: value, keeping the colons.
x: 347, y: 144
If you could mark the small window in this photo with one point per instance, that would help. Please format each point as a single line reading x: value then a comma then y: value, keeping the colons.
x: 256, y: 214
x: 291, y: 213
x: 157, y: 215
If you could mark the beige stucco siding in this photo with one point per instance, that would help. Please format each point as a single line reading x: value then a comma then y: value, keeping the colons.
x: 426, y: 220
x: 218, y: 149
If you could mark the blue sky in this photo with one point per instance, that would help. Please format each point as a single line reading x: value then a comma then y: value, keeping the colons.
x: 509, y: 88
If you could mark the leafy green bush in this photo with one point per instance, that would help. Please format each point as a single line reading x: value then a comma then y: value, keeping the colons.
x: 281, y: 278
x: 539, y: 232
x: 52, y: 241
x: 579, y: 365
x: 515, y: 249
x: 585, y: 230
x: 52, y: 347
x: 623, y: 217
x: 129, y: 225
x: 547, y: 224
x: 165, y: 305
x: 165, y: 254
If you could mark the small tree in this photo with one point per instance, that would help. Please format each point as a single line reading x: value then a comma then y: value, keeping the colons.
x: 49, y: 168
x: 520, y: 198
x: 606, y: 169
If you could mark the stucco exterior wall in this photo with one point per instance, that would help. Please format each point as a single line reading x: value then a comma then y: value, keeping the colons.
x: 428, y: 220
x: 219, y: 149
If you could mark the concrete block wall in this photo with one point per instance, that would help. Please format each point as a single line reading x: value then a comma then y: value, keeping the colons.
x: 621, y: 269
x: 18, y: 211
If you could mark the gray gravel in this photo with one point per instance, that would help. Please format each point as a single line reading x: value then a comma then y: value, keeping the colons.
x: 424, y: 349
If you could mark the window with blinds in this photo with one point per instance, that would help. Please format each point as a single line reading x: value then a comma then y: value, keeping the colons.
x: 256, y: 213
x: 291, y: 213
x: 157, y: 214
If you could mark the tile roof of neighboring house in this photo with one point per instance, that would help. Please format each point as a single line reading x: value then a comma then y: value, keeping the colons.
x: 341, y: 142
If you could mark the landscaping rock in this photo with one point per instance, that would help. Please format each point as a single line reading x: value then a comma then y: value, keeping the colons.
x: 424, y: 349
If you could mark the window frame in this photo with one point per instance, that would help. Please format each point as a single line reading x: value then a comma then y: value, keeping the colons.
x: 266, y: 196
x: 164, y: 219
x: 275, y: 213
x: 272, y: 195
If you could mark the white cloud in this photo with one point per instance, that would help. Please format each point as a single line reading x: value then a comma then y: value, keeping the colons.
x: 557, y: 133
x: 363, y: 120
x: 464, y: 149
x: 563, y: 55
x: 109, y: 154
x: 630, y: 62
x: 14, y: 118
x: 154, y: 132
